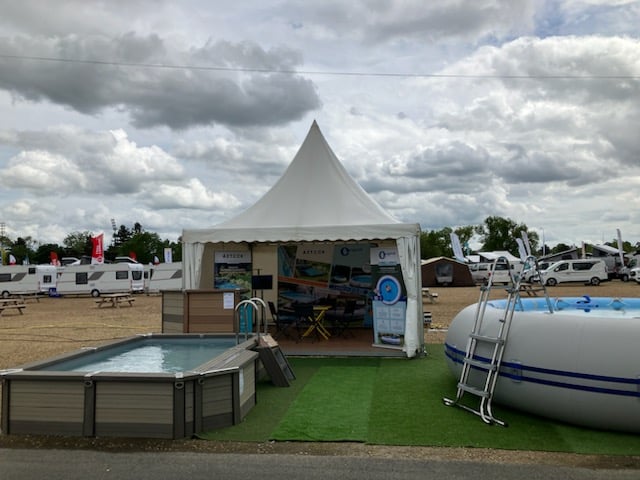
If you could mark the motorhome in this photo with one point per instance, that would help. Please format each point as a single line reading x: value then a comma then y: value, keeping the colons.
x: 26, y: 279
x: 97, y: 279
x: 164, y: 276
x: 480, y: 272
x: 591, y: 271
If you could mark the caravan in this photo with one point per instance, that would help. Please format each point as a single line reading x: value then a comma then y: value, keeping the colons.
x: 26, y: 279
x: 97, y: 279
x: 164, y: 276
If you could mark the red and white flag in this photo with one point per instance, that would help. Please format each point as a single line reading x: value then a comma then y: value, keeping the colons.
x: 12, y: 260
x: 97, y: 252
x: 54, y: 259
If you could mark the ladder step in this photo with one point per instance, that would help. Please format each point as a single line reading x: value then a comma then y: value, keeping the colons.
x: 473, y: 390
x: 484, y: 338
x: 480, y: 364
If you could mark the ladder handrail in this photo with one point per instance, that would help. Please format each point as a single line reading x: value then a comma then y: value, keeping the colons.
x: 499, y: 342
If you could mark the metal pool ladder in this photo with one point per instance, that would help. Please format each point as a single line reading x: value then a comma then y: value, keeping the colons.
x: 490, y: 370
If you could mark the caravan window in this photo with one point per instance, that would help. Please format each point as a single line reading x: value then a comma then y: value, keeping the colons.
x: 31, y: 270
x: 5, y: 277
x: 46, y: 279
x: 122, y: 275
x: 82, y: 278
x: 136, y: 275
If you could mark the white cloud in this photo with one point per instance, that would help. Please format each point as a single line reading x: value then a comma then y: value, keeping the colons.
x: 173, y: 148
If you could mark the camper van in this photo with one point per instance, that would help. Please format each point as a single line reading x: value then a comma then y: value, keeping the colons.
x: 590, y: 271
x: 100, y: 278
x: 164, y: 276
x: 26, y: 279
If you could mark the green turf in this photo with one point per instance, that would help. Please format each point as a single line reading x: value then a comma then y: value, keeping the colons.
x: 399, y: 402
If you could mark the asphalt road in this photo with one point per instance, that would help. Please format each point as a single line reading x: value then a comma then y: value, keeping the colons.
x: 32, y: 464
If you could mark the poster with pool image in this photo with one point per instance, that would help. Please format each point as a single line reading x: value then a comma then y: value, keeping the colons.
x: 389, y: 298
x: 232, y: 270
x: 313, y: 263
x: 350, y: 269
x: 321, y: 273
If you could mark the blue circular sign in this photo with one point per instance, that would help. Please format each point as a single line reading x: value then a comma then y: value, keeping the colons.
x: 389, y: 289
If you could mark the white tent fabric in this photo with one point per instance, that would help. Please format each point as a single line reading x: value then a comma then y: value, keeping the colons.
x: 317, y: 200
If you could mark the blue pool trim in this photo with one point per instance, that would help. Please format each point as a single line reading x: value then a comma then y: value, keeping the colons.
x: 456, y: 355
x: 584, y: 302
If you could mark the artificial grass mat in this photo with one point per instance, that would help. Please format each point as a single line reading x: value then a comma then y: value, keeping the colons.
x: 399, y: 402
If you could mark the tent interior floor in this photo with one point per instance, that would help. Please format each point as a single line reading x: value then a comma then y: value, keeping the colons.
x: 356, y: 342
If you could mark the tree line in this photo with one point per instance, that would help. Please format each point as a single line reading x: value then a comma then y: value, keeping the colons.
x: 495, y: 234
x: 135, y: 241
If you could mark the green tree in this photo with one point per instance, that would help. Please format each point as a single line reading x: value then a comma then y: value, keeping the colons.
x: 43, y: 253
x: 24, y: 249
x: 560, y: 247
x: 77, y: 244
x: 435, y: 243
x: 499, y: 233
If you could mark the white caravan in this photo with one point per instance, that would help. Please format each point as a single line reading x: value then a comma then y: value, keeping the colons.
x: 26, y: 279
x: 97, y: 279
x: 164, y: 276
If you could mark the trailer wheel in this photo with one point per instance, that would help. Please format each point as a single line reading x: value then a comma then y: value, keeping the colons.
x: 95, y: 293
x: 595, y: 281
x: 5, y: 294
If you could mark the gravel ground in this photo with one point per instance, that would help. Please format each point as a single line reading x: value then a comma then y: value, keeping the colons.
x: 54, y: 326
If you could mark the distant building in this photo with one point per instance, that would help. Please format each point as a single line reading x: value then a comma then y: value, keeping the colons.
x: 445, y: 272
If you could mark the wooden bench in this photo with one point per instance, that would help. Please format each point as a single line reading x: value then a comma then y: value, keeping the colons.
x: 12, y: 304
x: 115, y: 300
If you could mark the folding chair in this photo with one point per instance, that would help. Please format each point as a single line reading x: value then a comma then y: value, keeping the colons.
x: 283, y: 321
x: 344, y: 321
x: 309, y: 322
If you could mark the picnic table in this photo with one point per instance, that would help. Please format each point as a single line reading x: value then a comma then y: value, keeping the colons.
x: 431, y: 296
x: 12, y: 304
x: 25, y: 296
x: 115, y: 300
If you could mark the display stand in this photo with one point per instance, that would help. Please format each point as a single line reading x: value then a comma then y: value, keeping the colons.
x: 274, y: 361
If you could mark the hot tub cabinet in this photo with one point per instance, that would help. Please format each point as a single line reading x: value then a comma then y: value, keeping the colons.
x: 216, y: 394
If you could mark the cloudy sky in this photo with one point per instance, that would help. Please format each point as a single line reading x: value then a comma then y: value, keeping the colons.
x: 182, y: 114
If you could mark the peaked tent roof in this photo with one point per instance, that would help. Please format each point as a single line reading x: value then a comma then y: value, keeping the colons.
x: 314, y: 200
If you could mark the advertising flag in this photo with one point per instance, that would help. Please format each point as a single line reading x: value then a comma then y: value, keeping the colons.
x: 168, y: 255
x: 12, y: 260
x: 54, y: 259
x: 97, y: 252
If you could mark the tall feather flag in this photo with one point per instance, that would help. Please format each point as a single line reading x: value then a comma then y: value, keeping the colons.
x: 97, y: 251
x: 620, y: 247
x: 457, y: 248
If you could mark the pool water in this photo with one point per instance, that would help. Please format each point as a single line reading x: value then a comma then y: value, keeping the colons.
x: 149, y: 356
x: 597, y: 306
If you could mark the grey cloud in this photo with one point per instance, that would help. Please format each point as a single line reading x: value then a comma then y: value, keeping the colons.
x: 385, y: 21
x: 155, y: 96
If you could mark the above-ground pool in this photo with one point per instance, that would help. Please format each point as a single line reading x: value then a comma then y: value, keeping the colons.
x: 579, y: 364
x: 158, y: 386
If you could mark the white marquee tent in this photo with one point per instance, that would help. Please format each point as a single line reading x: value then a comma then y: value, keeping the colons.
x: 316, y: 200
